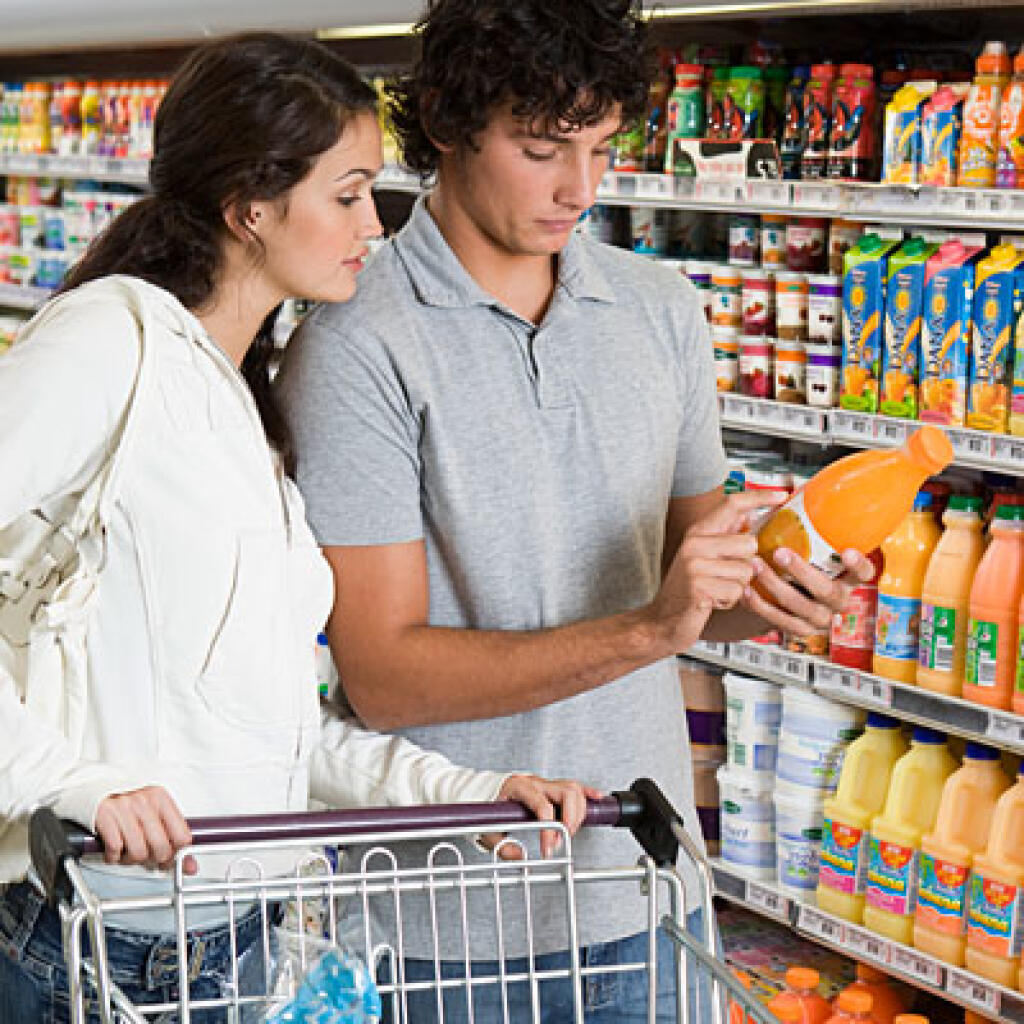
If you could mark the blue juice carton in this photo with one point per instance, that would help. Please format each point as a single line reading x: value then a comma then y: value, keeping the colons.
x: 901, y: 140
x: 1017, y: 393
x: 904, y: 304
x: 995, y: 314
x: 946, y: 327
x: 864, y: 281
x: 942, y: 119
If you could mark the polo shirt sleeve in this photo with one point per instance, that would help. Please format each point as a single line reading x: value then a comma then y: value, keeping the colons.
x: 700, y: 456
x: 354, y: 435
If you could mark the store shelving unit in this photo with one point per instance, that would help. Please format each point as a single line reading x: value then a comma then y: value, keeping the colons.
x: 97, y: 168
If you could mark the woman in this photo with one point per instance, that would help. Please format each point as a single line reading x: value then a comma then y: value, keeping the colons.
x: 189, y: 686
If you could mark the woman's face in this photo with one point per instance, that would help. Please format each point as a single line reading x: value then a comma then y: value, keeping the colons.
x: 315, y: 240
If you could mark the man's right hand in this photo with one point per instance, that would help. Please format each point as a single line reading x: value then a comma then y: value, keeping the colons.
x: 143, y: 826
x: 711, y: 570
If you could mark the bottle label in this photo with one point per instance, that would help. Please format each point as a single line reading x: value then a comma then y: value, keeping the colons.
x: 994, y: 917
x: 892, y: 876
x: 843, y: 860
x: 982, y: 649
x: 791, y: 527
x: 897, y: 627
x: 1020, y: 664
x: 856, y: 624
x: 942, y: 895
x: 938, y: 637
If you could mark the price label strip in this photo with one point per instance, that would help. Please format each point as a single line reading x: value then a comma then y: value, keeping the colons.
x: 1008, y: 451
x: 1006, y: 728
x: 768, y: 901
x: 867, y: 944
x: 837, y: 680
x: 820, y: 926
x: 975, y: 991
x: 654, y: 186
x: 921, y: 968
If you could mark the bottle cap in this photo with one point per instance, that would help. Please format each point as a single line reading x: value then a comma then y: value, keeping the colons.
x: 802, y: 977
x: 854, y: 1000
x: 922, y: 734
x: 980, y: 752
x: 922, y: 500
x: 966, y: 503
x: 1010, y: 513
x: 909, y: 1018
x: 931, y: 448
x: 689, y: 70
x: 720, y: 73
x: 914, y: 246
x: 745, y: 71
x: 877, y: 720
x: 857, y: 71
x: 825, y: 71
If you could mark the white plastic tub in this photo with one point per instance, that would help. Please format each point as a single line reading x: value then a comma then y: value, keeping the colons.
x: 799, y: 819
x: 753, y: 710
x: 747, y: 822
x: 813, y: 739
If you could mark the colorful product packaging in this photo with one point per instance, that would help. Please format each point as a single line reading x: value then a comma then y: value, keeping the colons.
x: 901, y: 152
x: 1017, y: 392
x: 946, y: 327
x: 903, y: 308
x: 942, y: 119
x: 996, y: 304
x: 863, y: 307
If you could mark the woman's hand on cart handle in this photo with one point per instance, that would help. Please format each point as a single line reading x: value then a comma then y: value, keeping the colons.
x: 545, y: 798
x: 143, y: 826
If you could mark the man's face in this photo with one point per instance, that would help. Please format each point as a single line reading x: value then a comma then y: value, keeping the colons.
x: 525, y: 185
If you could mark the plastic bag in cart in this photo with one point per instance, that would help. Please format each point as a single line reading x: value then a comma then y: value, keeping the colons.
x: 335, y: 988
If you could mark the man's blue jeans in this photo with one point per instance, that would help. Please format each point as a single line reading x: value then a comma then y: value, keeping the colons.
x: 607, y: 998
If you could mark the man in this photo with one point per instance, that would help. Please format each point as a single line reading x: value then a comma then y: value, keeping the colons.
x: 509, y: 448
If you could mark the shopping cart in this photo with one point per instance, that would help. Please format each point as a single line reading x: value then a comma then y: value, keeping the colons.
x: 340, y: 894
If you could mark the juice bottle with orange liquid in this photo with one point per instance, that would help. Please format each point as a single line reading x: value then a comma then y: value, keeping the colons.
x: 1017, y: 700
x: 995, y: 922
x: 947, y: 852
x: 855, y: 502
x: 802, y: 990
x: 906, y: 553
x: 852, y: 1006
x: 993, y: 608
x: 911, y: 805
x: 887, y: 1001
x: 980, y: 137
x: 944, y: 597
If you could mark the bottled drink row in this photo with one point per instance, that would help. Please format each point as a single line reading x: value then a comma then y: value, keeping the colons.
x: 936, y: 124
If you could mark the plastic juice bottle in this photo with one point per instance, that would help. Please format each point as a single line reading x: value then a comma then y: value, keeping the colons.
x: 863, y: 784
x: 995, y: 928
x: 852, y: 638
x: 980, y: 135
x: 685, y: 109
x: 855, y: 502
x: 945, y: 596
x: 906, y: 553
x: 91, y: 118
x: 852, y: 1007
x: 911, y: 805
x: 947, y: 852
x: 715, y: 104
x: 793, y: 133
x: 853, y: 142
x: 1010, y: 154
x: 744, y: 104
x: 993, y: 609
x: 802, y: 989
x: 886, y: 999
x: 818, y: 98
x: 787, y: 1009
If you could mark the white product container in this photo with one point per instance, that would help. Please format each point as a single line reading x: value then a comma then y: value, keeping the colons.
x: 799, y: 819
x: 823, y: 362
x: 747, y: 821
x: 753, y: 710
x: 813, y: 739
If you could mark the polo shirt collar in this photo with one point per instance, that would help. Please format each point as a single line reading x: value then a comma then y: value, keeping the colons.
x: 441, y: 280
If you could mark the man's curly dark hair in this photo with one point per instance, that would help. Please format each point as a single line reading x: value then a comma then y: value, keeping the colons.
x: 561, y: 63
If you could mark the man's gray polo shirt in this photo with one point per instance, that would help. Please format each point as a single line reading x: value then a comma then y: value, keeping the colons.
x: 536, y: 464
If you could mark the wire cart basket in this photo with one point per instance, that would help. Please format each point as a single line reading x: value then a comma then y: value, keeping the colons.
x: 326, y: 895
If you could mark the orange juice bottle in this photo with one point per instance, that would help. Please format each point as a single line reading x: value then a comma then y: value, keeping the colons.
x: 995, y: 929
x: 905, y: 555
x: 787, y: 1009
x: 947, y: 852
x: 802, y: 990
x: 993, y: 608
x: 863, y: 784
x: 1017, y: 701
x: 911, y: 805
x: 910, y: 1018
x: 944, y: 597
x: 886, y: 999
x: 852, y: 1006
x: 980, y: 135
x: 855, y: 502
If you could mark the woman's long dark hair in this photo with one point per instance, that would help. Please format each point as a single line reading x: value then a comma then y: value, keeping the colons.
x: 244, y: 120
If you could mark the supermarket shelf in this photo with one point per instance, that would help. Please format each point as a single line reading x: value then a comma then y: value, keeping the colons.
x: 14, y: 296
x: 977, y: 449
x: 896, y: 204
x: 126, y: 171
x: 922, y: 971
x: 862, y: 689
x: 395, y: 179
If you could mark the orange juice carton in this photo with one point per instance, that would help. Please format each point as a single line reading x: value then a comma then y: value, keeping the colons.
x: 1017, y: 389
x: 901, y: 152
x: 946, y: 326
x: 980, y: 136
x: 904, y: 302
x: 864, y: 281
x: 995, y: 306
x: 947, y: 852
x: 995, y: 902
x: 942, y: 118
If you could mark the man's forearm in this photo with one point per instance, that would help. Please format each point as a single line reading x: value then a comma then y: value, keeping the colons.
x: 432, y: 674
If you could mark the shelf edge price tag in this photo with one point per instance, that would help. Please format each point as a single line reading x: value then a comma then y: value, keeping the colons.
x: 872, y: 946
x: 916, y: 966
x: 877, y: 690
x: 768, y: 900
x: 654, y: 186
x: 816, y: 923
x: 1006, y: 728
x: 973, y: 990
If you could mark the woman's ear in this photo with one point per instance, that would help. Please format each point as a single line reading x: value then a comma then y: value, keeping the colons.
x: 244, y: 221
